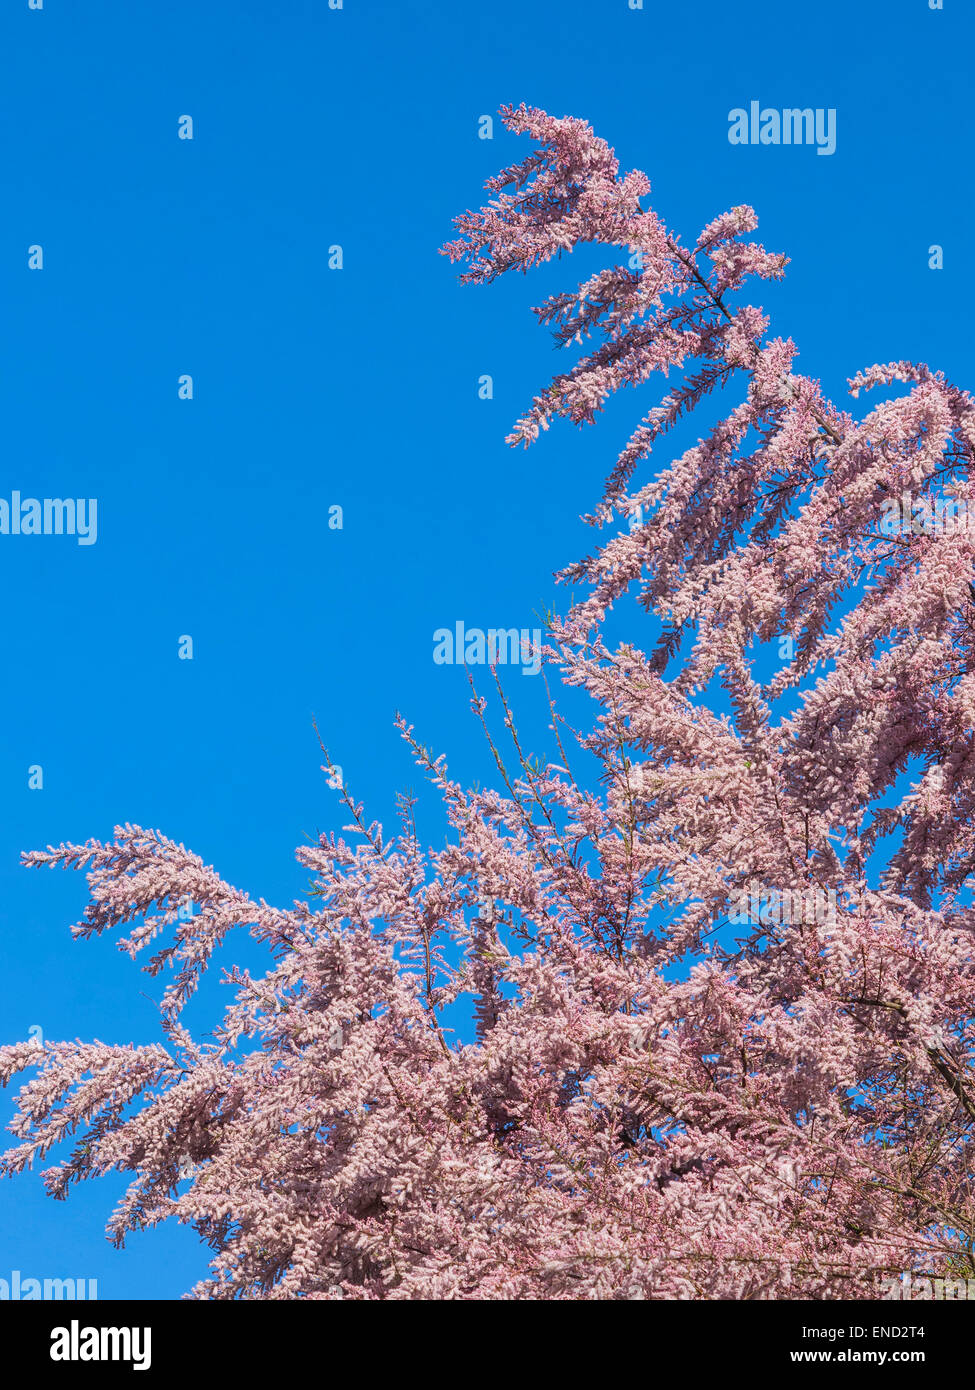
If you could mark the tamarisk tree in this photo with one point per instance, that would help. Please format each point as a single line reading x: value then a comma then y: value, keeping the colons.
x: 655, y: 1104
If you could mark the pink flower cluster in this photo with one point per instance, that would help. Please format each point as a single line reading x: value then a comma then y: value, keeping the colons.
x: 650, y: 1109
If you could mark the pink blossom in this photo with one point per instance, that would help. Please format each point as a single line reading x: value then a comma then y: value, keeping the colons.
x: 651, y: 1106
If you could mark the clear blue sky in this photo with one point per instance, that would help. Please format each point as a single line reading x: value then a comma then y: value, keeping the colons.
x: 359, y: 388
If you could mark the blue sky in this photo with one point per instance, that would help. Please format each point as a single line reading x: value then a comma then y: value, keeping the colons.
x: 354, y: 387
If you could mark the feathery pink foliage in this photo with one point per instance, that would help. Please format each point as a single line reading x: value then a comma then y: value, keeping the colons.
x: 787, y: 1115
